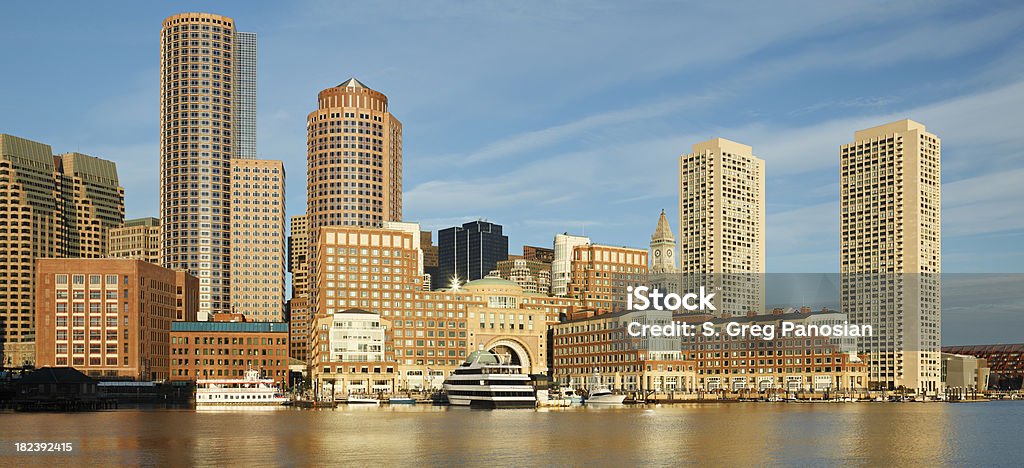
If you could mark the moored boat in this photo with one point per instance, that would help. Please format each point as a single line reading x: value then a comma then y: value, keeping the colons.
x: 252, y: 390
x: 488, y: 380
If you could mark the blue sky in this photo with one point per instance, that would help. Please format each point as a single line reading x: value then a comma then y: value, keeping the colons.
x: 556, y: 116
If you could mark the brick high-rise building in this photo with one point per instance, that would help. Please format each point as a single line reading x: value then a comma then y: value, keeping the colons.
x: 601, y: 274
x: 105, y: 317
x: 722, y: 224
x: 258, y: 241
x: 199, y: 108
x: 138, y: 239
x: 891, y: 257
x: 52, y: 206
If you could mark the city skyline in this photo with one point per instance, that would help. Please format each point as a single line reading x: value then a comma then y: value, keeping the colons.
x: 794, y: 121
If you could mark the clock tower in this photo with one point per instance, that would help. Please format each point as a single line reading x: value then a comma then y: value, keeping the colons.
x: 663, y: 248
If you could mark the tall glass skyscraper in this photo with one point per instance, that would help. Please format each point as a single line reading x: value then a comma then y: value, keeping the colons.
x: 470, y: 251
x: 245, y: 95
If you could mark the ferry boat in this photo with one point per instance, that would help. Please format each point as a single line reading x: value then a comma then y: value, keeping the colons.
x: 488, y: 380
x: 248, y: 391
x: 604, y: 396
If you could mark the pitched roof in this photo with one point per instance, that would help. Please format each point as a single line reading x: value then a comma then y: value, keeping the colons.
x: 352, y: 83
x: 56, y: 375
x: 663, y: 231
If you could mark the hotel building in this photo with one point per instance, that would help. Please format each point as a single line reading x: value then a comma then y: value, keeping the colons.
x: 108, y: 318
x: 53, y: 207
x: 258, y: 242
x: 890, y: 256
x: 354, y: 159
x: 138, y: 239
x: 561, y: 265
x: 721, y: 224
x: 747, y: 363
x: 198, y: 106
x: 596, y: 349
x: 601, y: 275
x: 210, y: 350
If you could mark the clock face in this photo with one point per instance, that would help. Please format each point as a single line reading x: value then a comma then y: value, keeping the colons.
x: 669, y: 253
x: 657, y: 253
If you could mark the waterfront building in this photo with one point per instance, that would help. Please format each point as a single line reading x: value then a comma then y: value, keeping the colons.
x: 359, y: 359
x: 722, y: 224
x: 298, y: 255
x: 965, y: 372
x: 561, y: 265
x: 208, y: 350
x: 664, y: 272
x: 258, y: 241
x: 108, y: 318
x: 601, y: 275
x: 533, y: 275
x: 138, y: 239
x: 354, y: 159
x: 186, y: 297
x: 469, y: 252
x: 1004, y: 361
x: 753, y: 364
x: 198, y: 112
x: 54, y: 207
x: 595, y: 349
x: 890, y: 256
x: 505, y: 319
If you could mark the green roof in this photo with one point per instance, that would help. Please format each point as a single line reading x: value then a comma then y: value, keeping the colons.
x: 230, y: 327
x: 491, y: 281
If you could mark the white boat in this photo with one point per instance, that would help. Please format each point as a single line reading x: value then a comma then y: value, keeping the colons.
x: 488, y: 380
x: 252, y: 390
x: 604, y: 396
x: 361, y: 400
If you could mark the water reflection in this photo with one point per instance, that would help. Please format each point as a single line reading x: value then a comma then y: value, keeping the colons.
x: 721, y: 434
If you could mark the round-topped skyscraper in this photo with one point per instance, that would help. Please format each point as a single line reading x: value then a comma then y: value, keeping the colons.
x: 354, y: 159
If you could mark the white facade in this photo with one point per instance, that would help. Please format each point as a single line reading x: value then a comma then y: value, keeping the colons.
x: 357, y: 336
x: 561, y: 267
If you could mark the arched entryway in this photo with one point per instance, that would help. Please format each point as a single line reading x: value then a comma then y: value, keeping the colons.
x: 514, y: 349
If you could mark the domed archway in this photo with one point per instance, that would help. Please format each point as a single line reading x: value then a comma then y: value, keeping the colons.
x: 513, y: 348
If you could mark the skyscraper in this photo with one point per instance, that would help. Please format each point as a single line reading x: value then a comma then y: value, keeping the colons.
x: 198, y: 108
x: 354, y: 159
x: 245, y: 95
x: 258, y: 243
x: 721, y: 224
x: 561, y: 266
x: 470, y: 251
x: 890, y: 256
x: 51, y: 207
